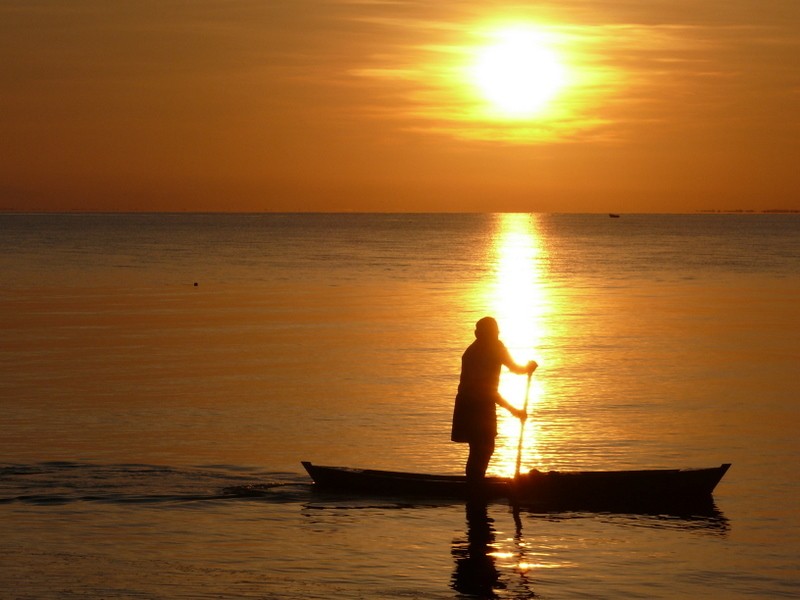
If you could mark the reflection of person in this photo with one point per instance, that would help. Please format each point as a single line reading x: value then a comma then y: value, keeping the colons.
x: 474, y: 415
x: 475, y: 572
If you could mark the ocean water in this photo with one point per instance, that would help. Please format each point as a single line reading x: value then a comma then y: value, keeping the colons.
x: 162, y: 376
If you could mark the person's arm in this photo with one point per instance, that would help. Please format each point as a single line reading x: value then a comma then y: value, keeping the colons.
x: 519, y: 370
x: 517, y: 412
x: 515, y: 368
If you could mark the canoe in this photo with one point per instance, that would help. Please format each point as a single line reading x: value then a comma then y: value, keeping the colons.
x: 552, y: 489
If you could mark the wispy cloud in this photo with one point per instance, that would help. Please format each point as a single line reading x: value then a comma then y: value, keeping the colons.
x: 672, y: 67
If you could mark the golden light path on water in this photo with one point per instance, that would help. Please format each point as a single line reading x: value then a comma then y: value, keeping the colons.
x: 520, y: 302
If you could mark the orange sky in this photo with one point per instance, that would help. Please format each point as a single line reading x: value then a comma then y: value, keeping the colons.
x: 279, y: 105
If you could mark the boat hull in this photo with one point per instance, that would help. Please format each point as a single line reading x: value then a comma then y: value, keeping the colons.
x: 560, y: 490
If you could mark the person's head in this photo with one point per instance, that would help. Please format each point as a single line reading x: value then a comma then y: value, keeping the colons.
x: 487, y: 329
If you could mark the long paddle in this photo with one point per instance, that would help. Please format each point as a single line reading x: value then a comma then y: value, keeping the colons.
x: 522, y: 426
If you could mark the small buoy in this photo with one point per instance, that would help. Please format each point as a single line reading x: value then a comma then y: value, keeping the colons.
x: 195, y: 284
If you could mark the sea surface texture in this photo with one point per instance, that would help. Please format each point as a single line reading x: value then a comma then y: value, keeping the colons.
x: 162, y: 376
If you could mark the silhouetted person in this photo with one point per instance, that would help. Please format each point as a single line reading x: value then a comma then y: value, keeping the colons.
x: 474, y: 415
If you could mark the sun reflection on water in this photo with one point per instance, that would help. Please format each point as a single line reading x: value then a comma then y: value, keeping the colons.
x: 519, y: 300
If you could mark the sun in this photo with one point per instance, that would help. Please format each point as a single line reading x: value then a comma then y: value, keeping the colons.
x: 518, y: 73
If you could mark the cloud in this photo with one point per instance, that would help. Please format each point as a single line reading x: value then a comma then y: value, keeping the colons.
x: 632, y: 65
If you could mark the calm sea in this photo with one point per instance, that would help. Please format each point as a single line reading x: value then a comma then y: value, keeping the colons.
x: 162, y: 377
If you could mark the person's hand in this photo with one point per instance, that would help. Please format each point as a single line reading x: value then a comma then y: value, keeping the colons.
x: 521, y: 414
x: 532, y: 366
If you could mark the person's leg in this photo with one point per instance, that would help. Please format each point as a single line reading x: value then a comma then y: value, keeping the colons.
x: 480, y: 453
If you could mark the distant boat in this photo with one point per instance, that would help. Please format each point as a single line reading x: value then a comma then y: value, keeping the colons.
x: 613, y: 215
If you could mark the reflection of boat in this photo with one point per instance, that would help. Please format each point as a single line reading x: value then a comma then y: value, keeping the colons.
x: 555, y: 489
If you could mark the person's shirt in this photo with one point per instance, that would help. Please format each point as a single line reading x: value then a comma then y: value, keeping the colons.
x: 480, y: 367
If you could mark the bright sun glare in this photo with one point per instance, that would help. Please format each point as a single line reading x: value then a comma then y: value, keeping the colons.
x: 520, y: 301
x: 518, y: 73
